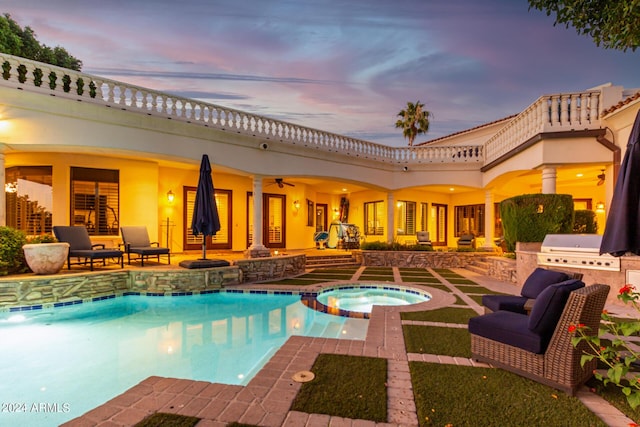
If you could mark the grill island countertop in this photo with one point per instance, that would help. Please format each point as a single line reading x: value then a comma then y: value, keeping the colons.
x: 576, y: 251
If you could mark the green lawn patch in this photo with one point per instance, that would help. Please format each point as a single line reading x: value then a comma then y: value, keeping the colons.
x: 346, y: 386
x: 469, y: 396
x: 345, y: 270
x: 476, y: 298
x: 445, y: 272
x: 387, y: 270
x: 296, y: 282
x: 420, y: 279
x: 379, y: 277
x: 327, y: 276
x: 413, y: 269
x: 444, y: 315
x: 437, y: 340
x: 478, y: 290
x: 460, y: 281
x: 613, y: 394
x: 168, y: 420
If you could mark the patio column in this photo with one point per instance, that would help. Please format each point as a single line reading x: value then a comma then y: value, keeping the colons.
x: 3, y: 198
x: 257, y: 248
x: 549, y: 180
x: 390, y: 217
x: 489, y: 219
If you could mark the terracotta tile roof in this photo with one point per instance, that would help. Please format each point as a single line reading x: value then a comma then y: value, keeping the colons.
x: 467, y: 130
x: 621, y: 104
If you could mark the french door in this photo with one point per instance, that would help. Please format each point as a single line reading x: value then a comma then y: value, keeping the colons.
x: 222, y: 239
x: 273, y: 220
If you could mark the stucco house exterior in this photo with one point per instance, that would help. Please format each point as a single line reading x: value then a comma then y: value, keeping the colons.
x: 78, y: 149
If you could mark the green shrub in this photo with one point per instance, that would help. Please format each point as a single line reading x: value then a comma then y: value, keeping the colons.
x: 585, y: 222
x: 530, y: 217
x: 11, y: 254
x: 43, y: 238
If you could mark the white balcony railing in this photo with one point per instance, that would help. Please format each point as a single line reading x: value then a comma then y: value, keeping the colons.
x: 550, y: 113
x: 561, y: 112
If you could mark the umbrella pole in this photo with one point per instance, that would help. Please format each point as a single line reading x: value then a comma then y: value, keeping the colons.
x: 204, y: 247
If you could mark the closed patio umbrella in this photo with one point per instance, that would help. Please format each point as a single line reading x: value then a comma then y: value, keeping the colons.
x: 205, y: 219
x: 622, y: 232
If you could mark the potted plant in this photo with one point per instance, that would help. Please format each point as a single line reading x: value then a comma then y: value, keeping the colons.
x: 44, y: 255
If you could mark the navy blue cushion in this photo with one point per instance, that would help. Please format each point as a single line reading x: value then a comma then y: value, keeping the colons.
x: 508, y: 328
x: 548, y: 307
x: 539, y: 280
x: 514, y: 303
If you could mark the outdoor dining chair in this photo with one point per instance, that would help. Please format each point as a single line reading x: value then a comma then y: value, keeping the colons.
x: 81, y: 248
x: 136, y: 241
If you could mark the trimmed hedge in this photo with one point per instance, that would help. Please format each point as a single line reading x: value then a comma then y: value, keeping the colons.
x: 530, y: 217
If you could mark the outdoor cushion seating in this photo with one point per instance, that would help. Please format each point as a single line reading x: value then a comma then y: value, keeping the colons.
x: 423, y: 238
x: 81, y: 248
x: 537, y: 281
x: 467, y: 241
x: 136, y: 241
x: 539, y: 346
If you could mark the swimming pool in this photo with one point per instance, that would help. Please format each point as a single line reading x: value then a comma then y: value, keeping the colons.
x: 58, y: 364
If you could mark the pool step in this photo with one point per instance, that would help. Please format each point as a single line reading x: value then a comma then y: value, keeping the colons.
x: 319, y: 261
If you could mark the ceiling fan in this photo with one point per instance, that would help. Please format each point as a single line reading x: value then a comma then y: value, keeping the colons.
x: 601, y: 177
x: 281, y: 183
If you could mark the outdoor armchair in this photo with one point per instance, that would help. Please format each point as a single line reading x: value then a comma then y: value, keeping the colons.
x: 423, y: 238
x: 136, y: 241
x: 467, y: 241
x: 539, y: 346
x: 537, y: 282
x: 81, y: 248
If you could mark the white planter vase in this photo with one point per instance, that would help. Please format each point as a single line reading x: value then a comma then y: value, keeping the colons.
x: 46, y: 258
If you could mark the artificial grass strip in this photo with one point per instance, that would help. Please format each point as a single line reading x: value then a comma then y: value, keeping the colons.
x: 161, y: 419
x: 420, y: 279
x: 476, y: 298
x: 469, y: 396
x: 460, y: 281
x: 413, y: 269
x: 376, y: 277
x: 444, y: 315
x: 613, y: 394
x: 436, y: 286
x: 444, y: 341
x: 378, y: 270
x: 326, y: 276
x: 296, y: 282
x: 346, y: 386
x: 345, y: 270
x: 478, y: 290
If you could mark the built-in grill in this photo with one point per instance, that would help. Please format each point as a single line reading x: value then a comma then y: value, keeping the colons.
x: 577, y: 251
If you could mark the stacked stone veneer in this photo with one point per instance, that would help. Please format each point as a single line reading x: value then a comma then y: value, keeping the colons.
x: 503, y: 269
x: 259, y: 269
x: 29, y: 291
x: 420, y: 259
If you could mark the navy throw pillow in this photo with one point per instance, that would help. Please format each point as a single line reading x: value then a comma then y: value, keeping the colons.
x: 549, y: 305
x: 539, y: 280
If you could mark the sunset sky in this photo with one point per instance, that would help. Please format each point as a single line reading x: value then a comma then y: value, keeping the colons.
x: 345, y: 66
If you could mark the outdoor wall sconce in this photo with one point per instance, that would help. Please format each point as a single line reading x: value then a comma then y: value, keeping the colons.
x: 296, y: 205
x: 600, y: 207
x: 170, y: 196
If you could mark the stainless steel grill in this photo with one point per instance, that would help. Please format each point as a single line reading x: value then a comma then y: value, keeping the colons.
x: 577, y: 251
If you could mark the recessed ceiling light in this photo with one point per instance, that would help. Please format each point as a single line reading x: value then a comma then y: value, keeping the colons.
x: 579, y: 175
x: 451, y: 189
x: 344, y: 189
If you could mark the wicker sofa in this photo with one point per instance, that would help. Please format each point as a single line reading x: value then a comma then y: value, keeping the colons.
x: 555, y: 363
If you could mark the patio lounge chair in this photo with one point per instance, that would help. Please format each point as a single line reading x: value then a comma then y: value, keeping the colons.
x: 81, y: 248
x: 539, y: 346
x: 423, y: 238
x: 537, y: 282
x: 467, y: 241
x: 136, y: 241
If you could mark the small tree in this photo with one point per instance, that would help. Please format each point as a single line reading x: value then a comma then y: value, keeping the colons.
x: 612, y: 24
x: 413, y: 121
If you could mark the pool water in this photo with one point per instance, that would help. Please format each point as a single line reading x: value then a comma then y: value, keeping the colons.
x: 362, y: 300
x: 58, y: 364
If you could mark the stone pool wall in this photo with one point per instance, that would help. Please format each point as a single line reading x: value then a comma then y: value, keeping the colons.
x: 421, y: 259
x: 31, y: 290
x: 259, y: 269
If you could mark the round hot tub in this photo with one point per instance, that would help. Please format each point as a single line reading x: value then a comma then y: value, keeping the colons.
x: 358, y: 300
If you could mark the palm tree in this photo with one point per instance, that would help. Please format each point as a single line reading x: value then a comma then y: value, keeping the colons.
x: 414, y: 121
